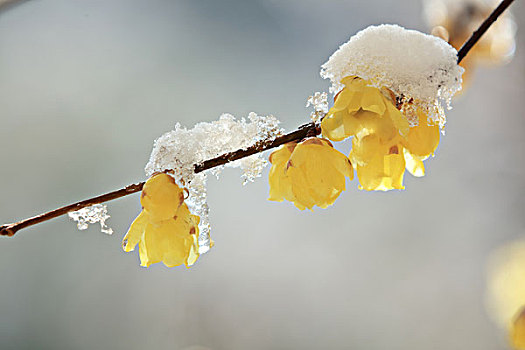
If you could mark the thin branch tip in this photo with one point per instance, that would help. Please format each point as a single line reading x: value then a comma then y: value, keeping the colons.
x: 7, y: 230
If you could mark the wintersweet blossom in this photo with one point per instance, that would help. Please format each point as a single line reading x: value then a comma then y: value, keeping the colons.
x: 506, y: 285
x: 383, y: 143
x: 517, y: 331
x: 165, y: 230
x: 308, y: 173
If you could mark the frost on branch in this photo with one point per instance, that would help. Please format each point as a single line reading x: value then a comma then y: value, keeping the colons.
x: 421, y: 70
x: 92, y: 215
x: 180, y: 149
x: 319, y: 102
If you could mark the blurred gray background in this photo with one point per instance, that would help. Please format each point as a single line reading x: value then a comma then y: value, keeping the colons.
x: 85, y: 88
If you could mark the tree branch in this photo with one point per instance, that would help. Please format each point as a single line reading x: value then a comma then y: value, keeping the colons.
x: 11, y: 229
x: 300, y: 133
x: 303, y: 131
x: 482, y: 29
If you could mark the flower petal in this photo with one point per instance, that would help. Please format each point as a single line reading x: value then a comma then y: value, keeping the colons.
x: 135, y: 232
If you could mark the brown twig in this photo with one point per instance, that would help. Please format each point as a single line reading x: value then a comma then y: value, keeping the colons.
x: 302, y: 132
x: 299, y: 134
x: 482, y: 29
x: 11, y: 229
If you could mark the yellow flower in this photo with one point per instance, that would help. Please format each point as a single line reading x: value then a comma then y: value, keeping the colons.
x: 506, y: 282
x: 361, y: 110
x: 383, y: 143
x: 517, y: 331
x: 379, y: 166
x: 309, y: 173
x: 165, y: 230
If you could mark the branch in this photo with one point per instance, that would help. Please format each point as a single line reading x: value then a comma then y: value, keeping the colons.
x: 303, y: 131
x: 299, y: 134
x: 482, y: 29
x: 11, y: 229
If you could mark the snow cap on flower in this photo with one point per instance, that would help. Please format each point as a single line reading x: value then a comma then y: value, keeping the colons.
x: 413, y: 65
x: 383, y: 144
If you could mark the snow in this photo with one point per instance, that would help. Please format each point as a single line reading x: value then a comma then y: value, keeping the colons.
x: 92, y: 215
x: 319, y: 102
x: 411, y: 64
x: 180, y: 149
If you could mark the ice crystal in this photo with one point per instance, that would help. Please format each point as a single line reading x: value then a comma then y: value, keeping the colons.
x: 180, y: 149
x: 92, y: 215
x: 421, y: 70
x: 319, y: 102
x: 198, y: 204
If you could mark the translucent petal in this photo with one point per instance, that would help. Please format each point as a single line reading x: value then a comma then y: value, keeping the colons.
x: 353, y: 83
x: 414, y: 164
x: 367, y: 123
x: 341, y: 101
x: 280, y: 187
x: 355, y: 103
x: 382, y: 173
x: 373, y: 100
x: 300, y: 188
x: 194, y: 252
x: 423, y: 139
x: 277, y: 180
x: 135, y: 232
x: 366, y: 148
x: 332, y: 126
x: 282, y: 154
x: 170, y: 241
x: 398, y: 119
x: 150, y: 247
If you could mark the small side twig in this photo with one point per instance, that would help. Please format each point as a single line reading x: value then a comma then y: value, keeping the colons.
x: 299, y: 134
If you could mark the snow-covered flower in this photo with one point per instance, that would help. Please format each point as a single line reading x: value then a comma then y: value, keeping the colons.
x: 391, y: 85
x: 308, y: 173
x: 383, y: 143
x: 420, y: 70
x: 165, y: 230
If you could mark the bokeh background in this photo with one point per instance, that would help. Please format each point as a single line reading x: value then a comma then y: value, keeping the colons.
x: 85, y: 88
